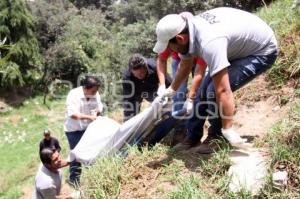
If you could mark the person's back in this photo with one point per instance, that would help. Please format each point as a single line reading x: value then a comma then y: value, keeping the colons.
x: 49, y: 142
x: 237, y: 47
x: 47, y: 183
x: 245, y: 33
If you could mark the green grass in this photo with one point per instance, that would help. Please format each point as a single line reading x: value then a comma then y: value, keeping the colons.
x: 21, y: 131
x: 159, y: 172
x: 285, y: 21
x: 284, y: 144
x: 103, y: 179
x: 162, y: 172
x: 189, y: 188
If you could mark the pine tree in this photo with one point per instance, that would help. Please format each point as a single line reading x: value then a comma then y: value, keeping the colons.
x: 22, y: 59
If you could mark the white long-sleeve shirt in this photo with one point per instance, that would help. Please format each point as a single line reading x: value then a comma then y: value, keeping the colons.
x: 77, y: 103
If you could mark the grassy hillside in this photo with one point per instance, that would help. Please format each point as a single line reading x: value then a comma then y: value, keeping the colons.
x: 21, y: 131
x: 285, y: 21
x: 283, y: 141
x: 160, y: 173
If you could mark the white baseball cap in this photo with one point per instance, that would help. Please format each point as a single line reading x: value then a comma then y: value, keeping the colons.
x: 167, y: 28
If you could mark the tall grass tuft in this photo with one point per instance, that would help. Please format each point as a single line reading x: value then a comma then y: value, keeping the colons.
x: 189, y: 188
x: 103, y: 180
x: 284, y: 143
x: 285, y: 21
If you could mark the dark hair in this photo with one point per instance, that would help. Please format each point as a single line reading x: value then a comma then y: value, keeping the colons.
x: 137, y: 61
x: 90, y: 81
x: 184, y: 31
x: 46, y: 155
x: 47, y: 132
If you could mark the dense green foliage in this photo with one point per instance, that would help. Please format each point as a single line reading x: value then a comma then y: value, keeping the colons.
x: 22, y: 59
x: 76, y: 37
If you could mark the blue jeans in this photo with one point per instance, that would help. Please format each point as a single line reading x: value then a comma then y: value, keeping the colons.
x: 241, y: 71
x: 180, y: 96
x: 162, y: 129
x: 75, y: 167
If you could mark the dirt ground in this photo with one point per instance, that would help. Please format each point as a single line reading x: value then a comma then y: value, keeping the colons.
x: 258, y: 107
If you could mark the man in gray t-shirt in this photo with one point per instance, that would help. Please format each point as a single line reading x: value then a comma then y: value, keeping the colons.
x: 49, y: 177
x: 236, y: 45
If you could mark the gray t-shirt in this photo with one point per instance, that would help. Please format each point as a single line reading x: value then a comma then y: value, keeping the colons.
x: 221, y: 35
x: 47, y: 183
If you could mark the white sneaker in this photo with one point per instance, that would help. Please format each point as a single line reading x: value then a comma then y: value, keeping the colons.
x: 233, y: 137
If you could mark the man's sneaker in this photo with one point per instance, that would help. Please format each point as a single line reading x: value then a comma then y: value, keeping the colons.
x: 186, y: 144
x: 233, y: 137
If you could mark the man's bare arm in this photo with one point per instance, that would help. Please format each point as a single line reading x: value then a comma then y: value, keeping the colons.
x: 183, y: 72
x: 224, y: 97
x: 161, y: 67
x: 81, y: 116
x: 198, y: 77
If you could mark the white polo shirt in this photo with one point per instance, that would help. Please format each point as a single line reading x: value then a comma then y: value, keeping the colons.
x: 77, y: 103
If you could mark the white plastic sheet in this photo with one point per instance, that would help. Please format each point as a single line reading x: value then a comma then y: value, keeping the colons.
x: 105, y: 136
x: 94, y: 140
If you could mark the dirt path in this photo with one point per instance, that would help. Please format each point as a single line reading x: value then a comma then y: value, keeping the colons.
x: 257, y: 119
x: 259, y: 107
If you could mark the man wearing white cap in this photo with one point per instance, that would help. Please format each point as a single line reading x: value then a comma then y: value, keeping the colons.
x: 236, y: 45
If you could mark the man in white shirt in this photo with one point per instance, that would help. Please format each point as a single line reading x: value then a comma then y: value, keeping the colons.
x: 83, y: 105
x: 236, y: 45
x: 49, y: 177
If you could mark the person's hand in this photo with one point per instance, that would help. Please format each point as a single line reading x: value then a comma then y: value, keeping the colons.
x: 161, y: 89
x: 92, y: 117
x: 169, y: 92
x: 94, y: 112
x: 188, y: 105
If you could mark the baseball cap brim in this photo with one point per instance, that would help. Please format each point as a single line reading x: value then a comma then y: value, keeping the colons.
x: 167, y: 28
x: 160, y: 46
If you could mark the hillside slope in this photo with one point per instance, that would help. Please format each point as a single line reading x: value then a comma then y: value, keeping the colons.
x: 267, y: 109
